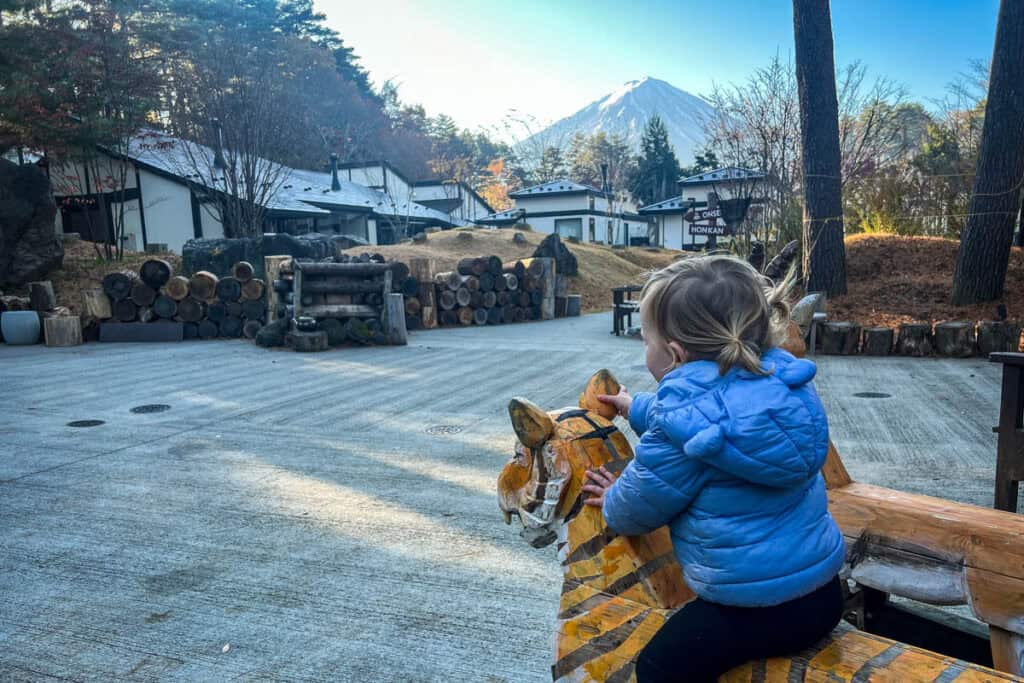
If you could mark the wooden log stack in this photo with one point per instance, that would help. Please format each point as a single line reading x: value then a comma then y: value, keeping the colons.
x: 204, y: 306
x: 950, y: 339
x: 351, y: 300
x: 485, y: 291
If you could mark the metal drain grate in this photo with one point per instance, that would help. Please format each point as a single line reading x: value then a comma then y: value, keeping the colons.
x: 443, y: 429
x: 872, y: 394
x: 86, y: 423
x: 151, y: 408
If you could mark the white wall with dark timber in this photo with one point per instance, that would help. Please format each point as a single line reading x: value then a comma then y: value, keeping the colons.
x: 168, y: 207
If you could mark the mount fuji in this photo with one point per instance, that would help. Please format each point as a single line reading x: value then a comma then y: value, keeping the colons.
x: 625, y: 112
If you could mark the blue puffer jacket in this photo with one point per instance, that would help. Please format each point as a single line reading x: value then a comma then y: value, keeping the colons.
x: 732, y: 464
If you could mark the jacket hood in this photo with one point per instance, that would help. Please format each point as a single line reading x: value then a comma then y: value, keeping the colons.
x: 766, y: 429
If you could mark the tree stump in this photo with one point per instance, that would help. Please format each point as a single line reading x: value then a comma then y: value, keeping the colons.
x: 877, y: 341
x: 203, y: 285
x: 118, y: 285
x: 41, y: 296
x: 62, y: 331
x: 253, y: 290
x: 165, y: 307
x: 573, y: 305
x: 243, y: 271
x: 177, y: 288
x: 272, y: 334
x: 428, y: 317
x: 216, y: 312
x: 96, y: 304
x: 465, y: 315
x: 231, y: 327
x: 191, y: 310
x: 914, y: 339
x: 251, y: 328
x: 840, y: 338
x: 208, y: 329
x: 254, y: 310
x: 309, y: 341
x: 228, y: 289
x: 998, y: 335
x: 125, y: 310
x: 155, y: 272
x: 143, y: 294
x: 393, y: 320
x: 955, y: 339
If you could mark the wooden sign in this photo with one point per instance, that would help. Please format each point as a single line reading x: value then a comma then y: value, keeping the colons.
x: 694, y: 215
x: 707, y: 229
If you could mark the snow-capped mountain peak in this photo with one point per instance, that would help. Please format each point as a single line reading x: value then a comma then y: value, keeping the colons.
x: 625, y: 111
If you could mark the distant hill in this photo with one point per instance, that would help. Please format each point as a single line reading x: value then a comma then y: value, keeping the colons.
x: 626, y: 110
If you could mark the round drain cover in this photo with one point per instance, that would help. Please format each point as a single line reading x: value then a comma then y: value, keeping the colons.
x: 86, y: 423
x: 872, y: 394
x: 151, y: 408
x: 444, y: 429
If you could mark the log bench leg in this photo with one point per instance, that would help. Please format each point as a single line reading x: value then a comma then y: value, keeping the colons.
x: 1007, y: 650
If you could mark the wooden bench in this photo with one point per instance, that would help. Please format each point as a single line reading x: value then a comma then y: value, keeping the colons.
x: 937, y: 552
x: 623, y: 308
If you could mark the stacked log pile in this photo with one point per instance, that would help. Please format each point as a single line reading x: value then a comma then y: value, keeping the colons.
x: 483, y: 291
x: 205, y: 305
x: 341, y: 300
x: 951, y: 339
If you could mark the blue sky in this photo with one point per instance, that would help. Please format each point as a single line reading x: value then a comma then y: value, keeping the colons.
x: 477, y: 59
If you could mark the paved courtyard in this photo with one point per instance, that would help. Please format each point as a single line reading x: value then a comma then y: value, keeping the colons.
x: 331, y: 517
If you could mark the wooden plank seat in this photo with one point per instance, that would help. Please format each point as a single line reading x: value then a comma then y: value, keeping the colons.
x: 849, y: 655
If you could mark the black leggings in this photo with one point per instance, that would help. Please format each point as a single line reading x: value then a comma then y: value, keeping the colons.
x: 704, y: 639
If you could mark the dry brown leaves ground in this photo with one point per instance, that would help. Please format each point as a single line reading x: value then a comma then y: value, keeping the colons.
x: 893, y: 280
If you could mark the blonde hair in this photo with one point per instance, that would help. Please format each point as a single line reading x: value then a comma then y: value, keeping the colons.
x: 719, y: 308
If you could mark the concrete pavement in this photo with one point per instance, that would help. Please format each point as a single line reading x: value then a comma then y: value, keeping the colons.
x: 332, y: 516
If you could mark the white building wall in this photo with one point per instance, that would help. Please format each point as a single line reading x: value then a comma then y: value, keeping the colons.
x: 368, y: 176
x: 168, y: 207
x: 436, y: 191
x: 565, y: 202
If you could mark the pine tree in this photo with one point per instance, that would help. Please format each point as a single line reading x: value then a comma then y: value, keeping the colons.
x: 995, y: 203
x: 824, y: 250
x: 552, y: 165
x: 657, y: 167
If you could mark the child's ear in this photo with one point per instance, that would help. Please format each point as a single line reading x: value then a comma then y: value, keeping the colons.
x: 602, y: 382
x: 678, y: 353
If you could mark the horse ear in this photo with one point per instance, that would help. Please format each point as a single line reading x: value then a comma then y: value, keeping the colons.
x: 603, y: 382
x: 533, y: 426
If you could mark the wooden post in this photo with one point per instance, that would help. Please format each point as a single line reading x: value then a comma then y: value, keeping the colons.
x: 96, y: 304
x: 393, y: 320
x: 548, y: 274
x: 1007, y: 650
x: 41, y: 296
x: 914, y: 339
x: 955, y: 339
x: 297, y: 288
x: 1010, y: 442
x: 63, y: 330
x: 272, y: 271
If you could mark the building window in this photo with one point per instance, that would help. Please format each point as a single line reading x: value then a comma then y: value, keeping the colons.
x: 590, y: 199
x: 569, y: 227
x: 593, y: 235
x: 611, y: 236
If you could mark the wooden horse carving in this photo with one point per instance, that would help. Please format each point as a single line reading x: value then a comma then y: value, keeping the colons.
x: 617, y: 591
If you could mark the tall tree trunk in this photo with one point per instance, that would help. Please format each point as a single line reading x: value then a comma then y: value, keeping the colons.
x: 985, y: 243
x: 824, y: 251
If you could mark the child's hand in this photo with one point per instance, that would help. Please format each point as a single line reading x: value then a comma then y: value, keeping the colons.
x: 622, y: 401
x: 603, y: 480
